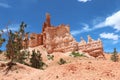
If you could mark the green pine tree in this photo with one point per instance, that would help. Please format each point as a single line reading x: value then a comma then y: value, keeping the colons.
x: 36, y: 60
x: 114, y: 56
x: 14, y: 44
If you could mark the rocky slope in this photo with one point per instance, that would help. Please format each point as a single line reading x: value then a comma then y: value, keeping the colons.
x: 76, y: 68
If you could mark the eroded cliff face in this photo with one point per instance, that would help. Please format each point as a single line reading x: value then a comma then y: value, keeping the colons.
x: 35, y: 40
x: 92, y: 47
x: 54, y: 38
x: 59, y: 39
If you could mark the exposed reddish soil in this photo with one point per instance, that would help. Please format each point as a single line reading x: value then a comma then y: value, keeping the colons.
x: 79, y: 68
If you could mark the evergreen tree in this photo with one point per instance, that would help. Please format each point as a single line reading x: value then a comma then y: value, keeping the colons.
x: 36, y: 60
x: 114, y: 56
x: 14, y: 45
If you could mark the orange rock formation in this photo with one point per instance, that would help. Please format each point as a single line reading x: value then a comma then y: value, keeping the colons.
x: 59, y: 39
x: 93, y: 47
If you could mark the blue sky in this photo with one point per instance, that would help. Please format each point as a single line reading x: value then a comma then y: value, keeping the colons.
x: 98, y: 18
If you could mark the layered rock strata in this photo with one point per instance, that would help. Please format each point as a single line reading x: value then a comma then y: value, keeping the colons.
x: 59, y: 39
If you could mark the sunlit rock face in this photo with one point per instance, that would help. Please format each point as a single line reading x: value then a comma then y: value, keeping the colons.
x: 92, y: 47
x: 35, y: 40
x: 59, y: 39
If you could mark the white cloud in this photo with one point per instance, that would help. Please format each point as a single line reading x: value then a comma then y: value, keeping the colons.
x: 85, y: 28
x: 114, y: 21
x: 111, y: 21
x: 84, y: 1
x: 111, y: 36
x: 4, y: 5
x: 75, y: 32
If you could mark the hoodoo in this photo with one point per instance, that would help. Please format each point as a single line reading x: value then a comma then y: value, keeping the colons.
x: 59, y: 39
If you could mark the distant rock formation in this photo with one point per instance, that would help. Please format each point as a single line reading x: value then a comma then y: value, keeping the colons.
x: 92, y: 47
x: 59, y: 39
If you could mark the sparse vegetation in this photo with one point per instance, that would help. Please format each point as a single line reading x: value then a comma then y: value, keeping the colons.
x: 36, y: 60
x: 22, y: 57
x: 50, y: 57
x: 1, y: 39
x: 62, y: 61
x: 14, y: 45
x: 114, y: 56
x: 16, y: 52
x: 77, y: 54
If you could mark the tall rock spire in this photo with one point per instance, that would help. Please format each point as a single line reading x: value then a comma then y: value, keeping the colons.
x: 89, y: 39
x: 48, y: 19
x: 47, y: 22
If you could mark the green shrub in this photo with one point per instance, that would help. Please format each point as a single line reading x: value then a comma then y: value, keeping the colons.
x: 114, y: 56
x: 22, y: 57
x: 77, y: 54
x: 36, y: 60
x: 50, y: 57
x: 61, y: 61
